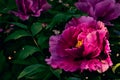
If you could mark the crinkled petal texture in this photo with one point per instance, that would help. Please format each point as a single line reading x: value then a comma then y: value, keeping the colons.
x: 28, y: 8
x: 83, y: 45
x: 104, y: 10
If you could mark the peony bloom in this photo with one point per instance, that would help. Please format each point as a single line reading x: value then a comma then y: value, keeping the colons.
x: 83, y: 45
x: 28, y: 8
x: 104, y: 10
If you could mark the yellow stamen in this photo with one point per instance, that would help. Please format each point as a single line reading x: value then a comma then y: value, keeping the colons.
x: 79, y: 43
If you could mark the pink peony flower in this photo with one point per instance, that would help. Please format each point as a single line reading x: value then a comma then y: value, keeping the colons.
x: 28, y: 8
x: 104, y: 10
x: 83, y: 45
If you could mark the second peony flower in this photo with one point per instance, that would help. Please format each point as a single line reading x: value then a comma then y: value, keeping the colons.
x: 83, y: 45
x: 103, y: 10
x: 28, y: 8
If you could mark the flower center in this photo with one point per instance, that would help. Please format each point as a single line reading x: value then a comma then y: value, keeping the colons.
x: 79, y: 43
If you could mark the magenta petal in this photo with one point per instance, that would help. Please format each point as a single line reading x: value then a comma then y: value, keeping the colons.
x: 104, y: 67
x: 54, y: 49
x: 21, y: 6
x: 107, y: 47
x: 71, y: 51
x: 68, y: 34
x: 100, y: 8
x: 94, y: 2
x: 109, y: 61
x: 63, y: 63
x: 38, y: 13
x: 94, y: 42
x: 73, y: 22
x: 83, y: 65
x: 77, y: 21
x: 82, y: 36
x: 46, y: 6
x: 28, y: 5
x: 69, y: 65
x: 100, y: 66
x: 115, y: 13
x: 83, y: 6
x: 51, y: 62
x: 22, y: 16
x: 94, y: 64
x: 85, y: 19
x: 77, y: 52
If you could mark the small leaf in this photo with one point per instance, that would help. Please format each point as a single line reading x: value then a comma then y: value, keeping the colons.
x: 73, y: 78
x: 115, y: 67
x: 36, y: 28
x: 17, y: 34
x: 19, y: 25
x: 57, y: 72
x: 32, y: 69
x: 27, y: 51
x: 40, y: 75
x: 42, y: 41
x: 58, y: 19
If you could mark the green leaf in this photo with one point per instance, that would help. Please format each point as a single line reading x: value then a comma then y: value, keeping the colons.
x: 32, y: 69
x: 115, y: 67
x: 36, y: 28
x: 27, y: 51
x: 57, y: 72
x: 58, y: 19
x: 96, y: 78
x: 43, y: 75
x: 43, y: 41
x: 21, y: 62
x: 73, y: 78
x: 19, y: 25
x: 17, y: 34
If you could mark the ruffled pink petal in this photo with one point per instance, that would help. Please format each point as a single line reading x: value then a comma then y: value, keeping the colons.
x: 83, y: 19
x: 22, y: 16
x: 98, y: 65
x: 63, y: 63
x: 93, y: 43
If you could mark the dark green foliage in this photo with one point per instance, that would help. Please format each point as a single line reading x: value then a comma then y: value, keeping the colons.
x: 24, y: 45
